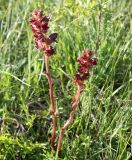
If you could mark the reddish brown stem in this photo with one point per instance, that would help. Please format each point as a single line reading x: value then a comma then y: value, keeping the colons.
x: 52, y: 105
x: 71, y: 116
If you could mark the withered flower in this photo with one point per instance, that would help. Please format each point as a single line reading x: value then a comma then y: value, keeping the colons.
x: 39, y: 25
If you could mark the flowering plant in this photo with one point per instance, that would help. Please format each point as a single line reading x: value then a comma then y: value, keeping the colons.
x: 39, y: 25
x: 85, y: 63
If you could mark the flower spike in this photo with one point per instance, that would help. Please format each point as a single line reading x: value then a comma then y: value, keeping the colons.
x: 39, y: 25
x: 86, y: 62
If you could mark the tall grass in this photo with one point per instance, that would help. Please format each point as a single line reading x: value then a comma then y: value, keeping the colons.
x: 102, y: 126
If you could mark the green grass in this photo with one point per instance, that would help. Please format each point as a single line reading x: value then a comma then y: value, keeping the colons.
x: 102, y: 126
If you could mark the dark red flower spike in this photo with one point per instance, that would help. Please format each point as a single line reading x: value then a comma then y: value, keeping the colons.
x: 39, y: 25
x: 85, y: 63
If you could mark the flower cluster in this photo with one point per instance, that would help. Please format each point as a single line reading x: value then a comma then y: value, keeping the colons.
x: 39, y: 25
x: 85, y: 63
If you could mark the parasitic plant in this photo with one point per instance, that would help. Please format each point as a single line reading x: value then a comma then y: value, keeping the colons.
x: 39, y: 25
x: 86, y: 62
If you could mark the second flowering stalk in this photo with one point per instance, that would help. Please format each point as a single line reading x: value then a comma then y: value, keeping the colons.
x: 86, y: 62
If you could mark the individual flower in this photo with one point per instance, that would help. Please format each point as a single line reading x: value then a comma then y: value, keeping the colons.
x: 52, y: 38
x: 86, y: 62
x: 39, y: 25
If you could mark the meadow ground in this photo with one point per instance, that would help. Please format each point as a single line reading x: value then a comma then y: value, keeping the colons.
x: 102, y: 126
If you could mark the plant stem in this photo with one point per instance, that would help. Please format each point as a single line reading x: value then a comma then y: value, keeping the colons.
x: 71, y: 116
x: 52, y: 105
x: 99, y: 26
